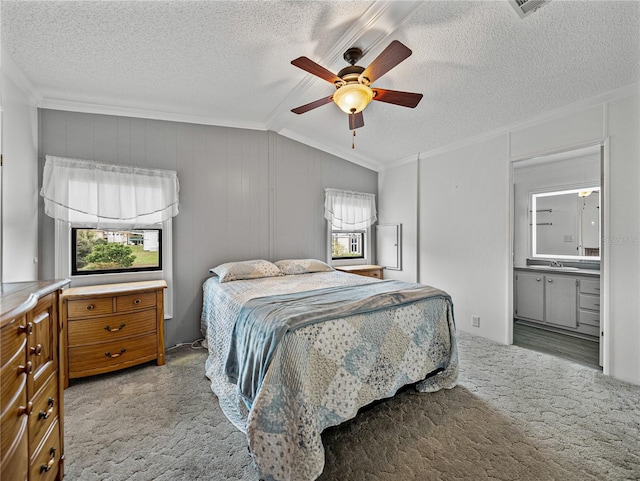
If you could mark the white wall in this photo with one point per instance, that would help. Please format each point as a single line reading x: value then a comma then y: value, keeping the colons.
x: 464, y: 232
x: 465, y: 221
x: 19, y: 184
x: 401, y: 209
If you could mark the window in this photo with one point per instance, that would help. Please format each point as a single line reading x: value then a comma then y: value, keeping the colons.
x: 347, y: 245
x: 349, y: 215
x: 102, y: 251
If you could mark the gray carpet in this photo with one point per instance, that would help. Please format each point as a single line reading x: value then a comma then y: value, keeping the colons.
x: 515, y: 415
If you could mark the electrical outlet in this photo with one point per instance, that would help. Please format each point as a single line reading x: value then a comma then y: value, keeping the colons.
x: 475, y: 321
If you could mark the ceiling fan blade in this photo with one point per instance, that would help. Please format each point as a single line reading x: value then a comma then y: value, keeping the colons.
x: 310, y: 66
x: 312, y: 105
x: 356, y: 121
x: 405, y: 99
x: 391, y: 56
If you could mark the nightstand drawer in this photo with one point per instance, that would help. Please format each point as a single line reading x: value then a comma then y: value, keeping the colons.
x: 111, y: 328
x: 89, y: 307
x: 109, y: 356
x: 135, y: 302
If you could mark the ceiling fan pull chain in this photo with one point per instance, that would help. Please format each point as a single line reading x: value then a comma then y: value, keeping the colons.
x: 353, y: 142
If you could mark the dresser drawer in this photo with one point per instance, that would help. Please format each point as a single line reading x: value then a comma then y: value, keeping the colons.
x: 15, y: 461
x: 13, y: 374
x: 89, y: 307
x: 12, y: 339
x: 109, y: 356
x: 134, y: 302
x: 44, y: 411
x: 45, y: 462
x: 13, y: 420
x: 111, y: 328
x: 589, y: 302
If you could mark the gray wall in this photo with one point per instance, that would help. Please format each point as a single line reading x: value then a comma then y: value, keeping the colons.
x: 244, y: 194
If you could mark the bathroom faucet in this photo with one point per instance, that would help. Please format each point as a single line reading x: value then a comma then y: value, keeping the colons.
x: 555, y: 263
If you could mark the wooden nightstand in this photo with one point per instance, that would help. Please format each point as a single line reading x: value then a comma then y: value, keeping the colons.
x: 367, y: 270
x: 112, y: 326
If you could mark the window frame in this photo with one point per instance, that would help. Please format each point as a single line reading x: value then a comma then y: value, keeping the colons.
x: 366, y: 260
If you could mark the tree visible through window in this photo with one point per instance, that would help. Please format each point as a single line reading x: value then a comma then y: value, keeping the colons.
x: 347, y: 245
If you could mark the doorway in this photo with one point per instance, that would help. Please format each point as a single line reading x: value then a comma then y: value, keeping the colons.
x: 557, y: 200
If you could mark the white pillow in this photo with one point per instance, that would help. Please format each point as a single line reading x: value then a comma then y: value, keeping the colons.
x: 302, y: 266
x: 254, y: 269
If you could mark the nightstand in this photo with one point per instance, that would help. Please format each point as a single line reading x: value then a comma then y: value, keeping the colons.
x: 112, y: 326
x: 366, y: 270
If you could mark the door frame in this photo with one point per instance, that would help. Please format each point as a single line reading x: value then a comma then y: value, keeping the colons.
x: 605, y: 223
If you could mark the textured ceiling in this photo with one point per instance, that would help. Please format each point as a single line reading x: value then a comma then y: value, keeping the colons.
x: 479, y: 66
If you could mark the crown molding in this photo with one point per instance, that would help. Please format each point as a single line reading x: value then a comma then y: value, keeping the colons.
x: 94, y: 108
x: 10, y: 68
x: 342, y: 154
x: 603, y: 98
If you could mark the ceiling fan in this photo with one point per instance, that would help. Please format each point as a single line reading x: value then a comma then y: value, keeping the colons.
x: 353, y: 83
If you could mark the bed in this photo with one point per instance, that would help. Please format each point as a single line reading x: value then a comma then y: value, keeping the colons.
x: 362, y: 341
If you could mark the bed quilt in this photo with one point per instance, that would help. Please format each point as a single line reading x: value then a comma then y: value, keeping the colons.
x: 321, y: 374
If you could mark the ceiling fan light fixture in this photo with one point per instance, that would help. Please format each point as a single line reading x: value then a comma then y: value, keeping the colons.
x: 353, y: 98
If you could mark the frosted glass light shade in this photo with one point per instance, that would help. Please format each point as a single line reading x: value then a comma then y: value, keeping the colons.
x: 353, y: 96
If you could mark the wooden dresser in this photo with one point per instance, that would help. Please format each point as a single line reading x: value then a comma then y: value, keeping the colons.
x: 367, y: 270
x: 112, y: 326
x: 31, y: 397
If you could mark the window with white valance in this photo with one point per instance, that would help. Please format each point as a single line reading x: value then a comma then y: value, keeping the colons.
x: 94, y: 194
x: 349, y: 215
x: 347, y: 210
x: 84, y: 194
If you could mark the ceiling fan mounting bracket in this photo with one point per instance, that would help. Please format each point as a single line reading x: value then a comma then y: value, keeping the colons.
x: 352, y: 55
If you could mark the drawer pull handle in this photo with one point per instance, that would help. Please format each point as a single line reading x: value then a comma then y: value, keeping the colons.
x: 116, y: 329
x: 25, y: 369
x: 90, y: 307
x: 28, y: 409
x: 37, y: 350
x: 538, y: 279
x: 28, y: 329
x: 549, y: 280
x: 49, y: 412
x: 45, y: 468
x: 137, y: 301
x: 117, y: 354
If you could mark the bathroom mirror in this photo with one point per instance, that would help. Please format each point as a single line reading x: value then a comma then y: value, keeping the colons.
x: 566, y: 224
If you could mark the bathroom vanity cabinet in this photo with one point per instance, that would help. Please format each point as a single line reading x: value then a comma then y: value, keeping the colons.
x: 560, y: 299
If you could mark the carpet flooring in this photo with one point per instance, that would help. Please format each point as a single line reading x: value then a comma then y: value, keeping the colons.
x: 516, y: 414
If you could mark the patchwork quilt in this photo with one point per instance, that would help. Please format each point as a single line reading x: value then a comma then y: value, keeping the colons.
x: 320, y: 374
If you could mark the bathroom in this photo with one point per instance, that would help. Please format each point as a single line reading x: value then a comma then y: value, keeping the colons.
x: 557, y: 254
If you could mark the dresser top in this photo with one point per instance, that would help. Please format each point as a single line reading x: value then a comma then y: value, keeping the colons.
x: 16, y: 298
x: 113, y: 289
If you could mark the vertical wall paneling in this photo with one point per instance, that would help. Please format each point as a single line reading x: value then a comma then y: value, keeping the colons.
x: 244, y: 194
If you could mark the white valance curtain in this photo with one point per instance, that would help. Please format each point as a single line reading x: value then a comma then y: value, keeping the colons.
x: 348, y: 210
x: 93, y: 194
